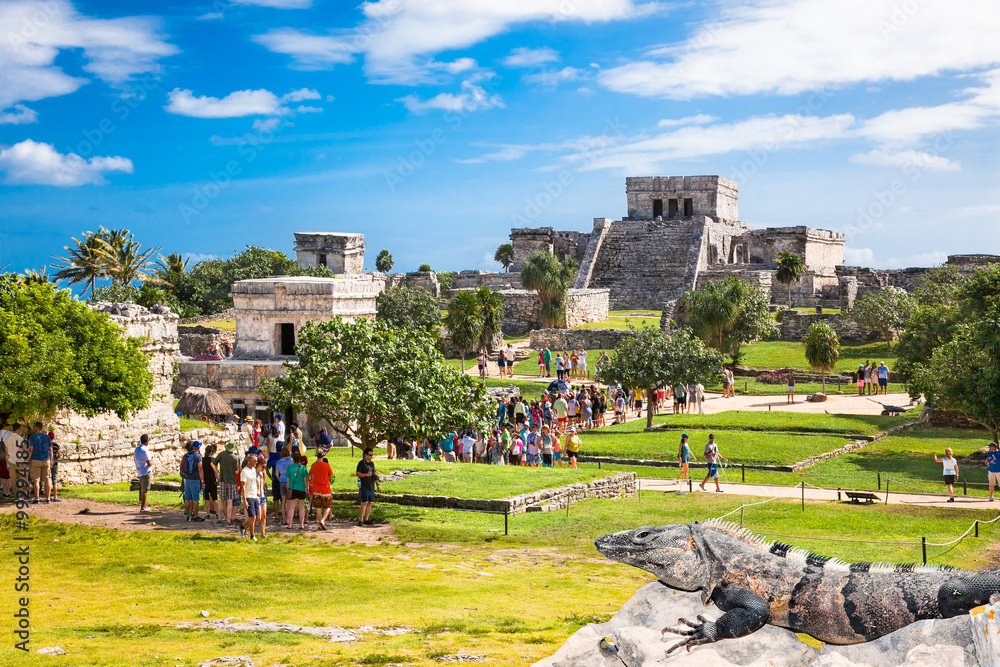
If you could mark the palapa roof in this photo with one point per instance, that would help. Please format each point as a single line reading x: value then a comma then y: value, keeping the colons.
x: 201, y: 401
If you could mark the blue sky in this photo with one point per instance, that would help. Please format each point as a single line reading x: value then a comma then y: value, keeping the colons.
x: 433, y: 127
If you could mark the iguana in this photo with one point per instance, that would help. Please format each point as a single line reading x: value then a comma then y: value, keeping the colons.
x: 756, y: 582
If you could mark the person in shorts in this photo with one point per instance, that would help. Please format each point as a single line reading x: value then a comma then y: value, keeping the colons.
x: 228, y: 466
x: 368, y: 481
x: 712, y: 457
x: 572, y: 446
x: 320, y: 478
x: 262, y: 475
x: 251, y: 495
x: 883, y: 378
x: 993, y: 467
x: 684, y: 457
x: 950, y: 472
x: 53, y: 495
x: 40, y: 466
x: 143, y: 468
x: 211, y: 476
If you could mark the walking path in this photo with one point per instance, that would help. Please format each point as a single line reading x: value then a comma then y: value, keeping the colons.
x: 814, y: 493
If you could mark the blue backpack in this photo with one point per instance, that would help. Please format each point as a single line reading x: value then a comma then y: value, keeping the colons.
x: 187, y: 466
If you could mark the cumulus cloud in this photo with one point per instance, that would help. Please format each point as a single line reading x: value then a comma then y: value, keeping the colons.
x: 523, y: 56
x: 909, y: 158
x: 472, y: 98
x: 237, y: 104
x: 19, y: 115
x: 699, y: 119
x: 37, y: 31
x: 791, y: 46
x: 277, y: 4
x: 552, y: 78
x: 33, y: 163
x: 858, y: 256
x: 309, y: 51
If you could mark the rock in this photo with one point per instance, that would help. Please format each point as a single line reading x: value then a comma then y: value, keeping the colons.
x: 633, y: 637
x: 238, y: 661
x: 204, y: 613
x: 986, y: 633
x: 51, y: 650
x: 818, y: 397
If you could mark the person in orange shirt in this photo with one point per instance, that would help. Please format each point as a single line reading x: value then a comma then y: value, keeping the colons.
x: 320, y: 477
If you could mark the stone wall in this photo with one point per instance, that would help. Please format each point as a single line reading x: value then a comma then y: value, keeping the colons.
x: 529, y: 240
x: 492, y: 279
x: 582, y: 306
x: 195, y: 340
x: 711, y: 196
x: 795, y: 324
x: 588, y: 339
x: 92, y: 450
x: 341, y: 253
x: 227, y: 314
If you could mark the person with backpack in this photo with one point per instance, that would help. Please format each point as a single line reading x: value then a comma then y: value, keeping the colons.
x: 193, y: 480
x: 297, y: 475
x: 712, y: 458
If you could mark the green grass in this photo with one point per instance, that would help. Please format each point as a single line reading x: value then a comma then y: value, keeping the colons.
x: 529, y: 366
x: 623, y: 319
x: 769, y: 354
x: 789, y: 422
x: 630, y: 442
x: 188, y: 424
x: 225, y: 325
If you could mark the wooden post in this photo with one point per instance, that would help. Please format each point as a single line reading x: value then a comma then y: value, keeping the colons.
x: 743, y: 472
x: 879, y: 481
x: 690, y: 485
x: 977, y: 527
x: 886, y: 490
x: 803, y: 496
x: 505, y: 515
x: 923, y: 547
x: 838, y: 493
x: 965, y: 487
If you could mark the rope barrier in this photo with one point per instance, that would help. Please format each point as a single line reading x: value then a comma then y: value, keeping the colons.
x: 747, y: 505
x: 833, y: 539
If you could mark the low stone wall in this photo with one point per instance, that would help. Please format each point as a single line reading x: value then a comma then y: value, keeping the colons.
x: 614, y: 486
x: 198, y: 339
x: 227, y: 314
x: 588, y: 339
x: 451, y: 352
x: 795, y: 324
x: 582, y: 306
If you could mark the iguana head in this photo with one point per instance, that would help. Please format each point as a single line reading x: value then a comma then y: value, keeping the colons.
x: 673, y: 553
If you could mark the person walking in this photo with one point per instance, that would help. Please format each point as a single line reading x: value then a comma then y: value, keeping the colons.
x: 712, y: 458
x: 684, y: 457
x: 262, y: 475
x: 509, y: 356
x: 193, y: 480
x: 573, y: 446
x: 228, y: 466
x: 143, y: 468
x: 583, y: 364
x: 54, y: 486
x: 368, y: 483
x: 210, y: 474
x: 993, y: 467
x: 320, y: 478
x: 297, y: 475
x: 251, y: 496
x: 40, y: 468
x: 950, y: 472
x: 547, y: 357
x: 699, y: 392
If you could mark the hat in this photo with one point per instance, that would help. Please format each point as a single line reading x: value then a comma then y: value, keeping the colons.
x: 572, y: 429
x: 195, y: 445
x: 685, y: 435
x: 993, y: 444
x: 278, y: 416
x: 711, y: 435
x: 248, y: 419
x: 230, y: 445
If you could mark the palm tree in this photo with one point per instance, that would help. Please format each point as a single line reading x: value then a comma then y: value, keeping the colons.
x: 127, y: 261
x: 384, y: 261
x: 791, y: 268
x: 85, y: 262
x: 822, y: 348
x: 41, y: 276
x: 465, y: 322
x: 504, y: 255
x: 491, y: 303
x: 711, y: 311
x: 550, y: 278
x: 171, y: 269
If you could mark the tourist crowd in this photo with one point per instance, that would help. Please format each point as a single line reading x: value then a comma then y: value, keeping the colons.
x: 29, y: 466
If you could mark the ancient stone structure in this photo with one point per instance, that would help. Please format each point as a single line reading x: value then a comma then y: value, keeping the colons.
x: 574, y: 339
x: 795, y: 324
x: 521, y: 308
x: 678, y: 228
x: 341, y: 253
x: 199, y: 339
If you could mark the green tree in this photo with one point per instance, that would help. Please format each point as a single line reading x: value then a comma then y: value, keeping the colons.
x: 728, y: 314
x: 426, y: 268
x: 384, y: 262
x: 371, y: 381
x: 125, y: 259
x: 822, y: 348
x: 885, y: 311
x: 550, y: 279
x: 650, y: 358
x: 56, y: 354
x: 711, y: 310
x: 402, y: 307
x: 791, y: 268
x: 445, y: 279
x: 940, y: 287
x: 504, y: 255
x: 465, y: 322
x: 40, y: 276
x: 491, y: 304
x: 84, y: 262
x: 753, y: 322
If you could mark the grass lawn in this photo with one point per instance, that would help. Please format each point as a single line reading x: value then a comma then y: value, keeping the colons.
x: 529, y: 366
x: 225, y: 325
x: 789, y: 422
x: 109, y: 598
x: 188, y: 424
x: 791, y: 354
x: 623, y: 319
x: 750, y: 447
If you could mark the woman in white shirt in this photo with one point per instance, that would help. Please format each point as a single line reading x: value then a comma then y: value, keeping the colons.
x: 950, y: 471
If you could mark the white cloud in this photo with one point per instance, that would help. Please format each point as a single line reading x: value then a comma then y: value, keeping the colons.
x: 33, y: 163
x: 458, y: 65
x: 523, y: 56
x: 266, y: 124
x: 239, y: 103
x: 791, y: 46
x: 933, y: 258
x: 909, y: 158
x: 400, y: 37
x: 277, y: 4
x: 20, y: 115
x: 472, y: 98
x: 553, y: 78
x: 699, y: 119
x: 858, y: 256
x: 505, y: 154
x: 36, y: 31
x: 308, y: 51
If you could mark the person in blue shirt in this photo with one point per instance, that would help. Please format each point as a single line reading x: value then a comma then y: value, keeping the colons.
x: 39, y: 468
x: 448, y: 447
x: 993, y: 467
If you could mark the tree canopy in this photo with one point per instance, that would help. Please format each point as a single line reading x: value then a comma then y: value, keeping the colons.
x: 791, y: 268
x: 729, y: 314
x: 504, y: 255
x: 885, y: 311
x: 107, y: 253
x: 474, y: 318
x: 822, y: 348
x: 373, y: 381
x: 550, y: 279
x: 384, y: 261
x: 650, y: 358
x: 56, y: 354
x: 409, y: 307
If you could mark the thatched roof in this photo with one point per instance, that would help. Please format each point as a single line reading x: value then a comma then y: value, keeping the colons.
x: 200, y: 401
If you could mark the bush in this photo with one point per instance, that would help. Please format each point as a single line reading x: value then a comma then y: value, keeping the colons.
x: 424, y: 267
x: 772, y: 377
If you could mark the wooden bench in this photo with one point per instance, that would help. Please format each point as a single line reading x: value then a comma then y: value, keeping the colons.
x: 858, y: 496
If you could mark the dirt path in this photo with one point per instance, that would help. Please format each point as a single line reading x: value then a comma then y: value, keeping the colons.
x: 127, y: 517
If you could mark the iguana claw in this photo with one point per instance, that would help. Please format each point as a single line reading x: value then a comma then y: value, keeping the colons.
x: 695, y: 636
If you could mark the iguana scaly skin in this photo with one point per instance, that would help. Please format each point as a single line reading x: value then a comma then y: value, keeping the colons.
x: 756, y: 582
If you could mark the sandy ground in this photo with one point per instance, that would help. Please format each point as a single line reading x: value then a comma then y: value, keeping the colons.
x: 126, y: 517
